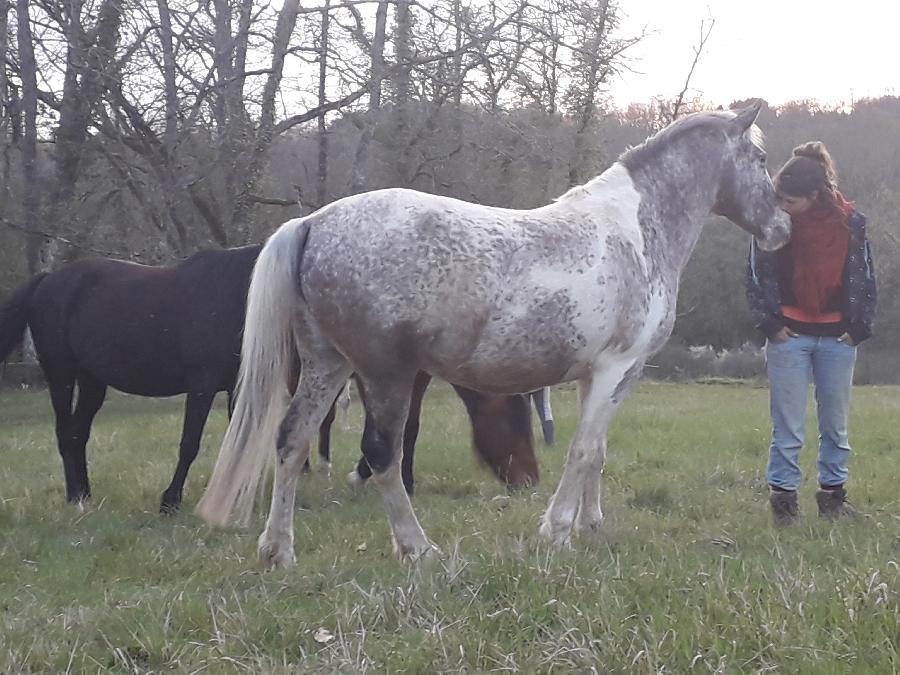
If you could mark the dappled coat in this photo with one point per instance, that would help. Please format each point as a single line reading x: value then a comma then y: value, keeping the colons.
x: 769, y: 285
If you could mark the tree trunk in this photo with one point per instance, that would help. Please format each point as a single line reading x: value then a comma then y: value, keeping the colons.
x: 170, y: 134
x: 287, y: 19
x: 360, y: 178
x: 5, y: 108
x: 592, y: 78
x: 89, y: 57
x: 31, y: 191
x: 322, y: 174
x: 401, y: 82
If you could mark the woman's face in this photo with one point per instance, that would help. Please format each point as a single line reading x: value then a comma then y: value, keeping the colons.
x: 793, y: 205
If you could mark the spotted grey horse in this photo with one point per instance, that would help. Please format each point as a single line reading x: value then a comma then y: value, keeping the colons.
x: 500, y: 300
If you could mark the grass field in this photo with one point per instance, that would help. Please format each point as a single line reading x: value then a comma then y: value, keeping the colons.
x: 687, y: 576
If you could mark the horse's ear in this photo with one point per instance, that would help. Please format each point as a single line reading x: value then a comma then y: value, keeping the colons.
x: 746, y: 117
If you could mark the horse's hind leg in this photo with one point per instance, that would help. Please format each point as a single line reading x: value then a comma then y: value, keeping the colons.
x: 73, y: 428
x: 320, y: 382
x: 387, y: 404
x: 363, y: 471
x: 91, y: 395
x: 62, y: 392
x: 324, y: 464
x: 411, y: 430
x: 196, y: 412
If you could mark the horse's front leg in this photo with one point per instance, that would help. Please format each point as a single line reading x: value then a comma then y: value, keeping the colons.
x: 590, y: 515
x: 587, y: 453
x: 196, y: 412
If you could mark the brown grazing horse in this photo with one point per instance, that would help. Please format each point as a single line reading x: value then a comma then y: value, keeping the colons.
x: 499, y: 425
x: 162, y: 331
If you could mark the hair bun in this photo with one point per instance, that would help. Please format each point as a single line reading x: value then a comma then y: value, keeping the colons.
x: 810, y: 170
x: 813, y: 150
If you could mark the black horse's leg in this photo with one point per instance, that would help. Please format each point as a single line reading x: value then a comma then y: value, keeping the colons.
x: 387, y: 406
x: 410, y: 434
x: 61, y: 394
x: 325, y: 436
x: 411, y: 431
x: 196, y: 411
x: 324, y: 439
x: 91, y: 395
x: 363, y: 471
x: 230, y: 394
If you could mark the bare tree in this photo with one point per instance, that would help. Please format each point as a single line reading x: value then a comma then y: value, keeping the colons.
x: 375, y: 48
x: 189, y: 106
x: 28, y: 144
x: 592, y: 67
x: 265, y: 131
x: 5, y: 99
x: 322, y: 173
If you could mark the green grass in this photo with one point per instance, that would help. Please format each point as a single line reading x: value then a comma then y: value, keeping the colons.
x: 687, y: 575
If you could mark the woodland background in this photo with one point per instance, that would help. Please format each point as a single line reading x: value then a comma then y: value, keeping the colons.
x: 150, y: 130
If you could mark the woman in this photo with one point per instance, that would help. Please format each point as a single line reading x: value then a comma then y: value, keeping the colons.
x: 814, y: 300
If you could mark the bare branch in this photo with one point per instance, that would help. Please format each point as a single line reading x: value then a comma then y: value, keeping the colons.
x: 705, y: 30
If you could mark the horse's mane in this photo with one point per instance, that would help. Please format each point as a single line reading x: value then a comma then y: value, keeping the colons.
x: 650, y: 149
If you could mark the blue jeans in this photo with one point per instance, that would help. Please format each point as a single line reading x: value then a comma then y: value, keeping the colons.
x: 791, y: 366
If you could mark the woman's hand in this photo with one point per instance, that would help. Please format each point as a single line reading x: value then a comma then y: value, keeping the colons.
x: 786, y: 334
x: 847, y: 340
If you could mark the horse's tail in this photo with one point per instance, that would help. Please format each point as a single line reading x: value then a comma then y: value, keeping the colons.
x: 14, y: 316
x: 264, y: 386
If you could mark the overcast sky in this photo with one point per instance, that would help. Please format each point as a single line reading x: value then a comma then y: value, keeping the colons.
x: 779, y: 50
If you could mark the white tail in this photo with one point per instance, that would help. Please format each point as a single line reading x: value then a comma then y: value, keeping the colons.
x: 262, y: 393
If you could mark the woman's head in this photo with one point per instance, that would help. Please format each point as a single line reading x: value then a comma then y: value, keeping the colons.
x: 807, y: 178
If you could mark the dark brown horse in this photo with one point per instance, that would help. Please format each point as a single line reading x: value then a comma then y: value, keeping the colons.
x: 499, y: 425
x: 162, y: 331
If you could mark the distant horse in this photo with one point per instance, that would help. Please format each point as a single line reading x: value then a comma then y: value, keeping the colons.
x: 394, y: 281
x: 162, y: 331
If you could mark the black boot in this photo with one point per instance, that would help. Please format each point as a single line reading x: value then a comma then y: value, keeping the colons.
x: 785, y: 508
x: 833, y: 504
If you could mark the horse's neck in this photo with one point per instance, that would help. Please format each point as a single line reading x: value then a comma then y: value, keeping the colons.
x: 665, y: 202
x: 676, y: 199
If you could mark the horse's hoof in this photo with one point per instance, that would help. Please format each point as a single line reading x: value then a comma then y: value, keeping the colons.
x: 167, y: 508
x: 355, y: 480
x: 423, y: 554
x: 275, y: 555
x: 589, y: 526
x: 324, y: 468
x: 559, y: 536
